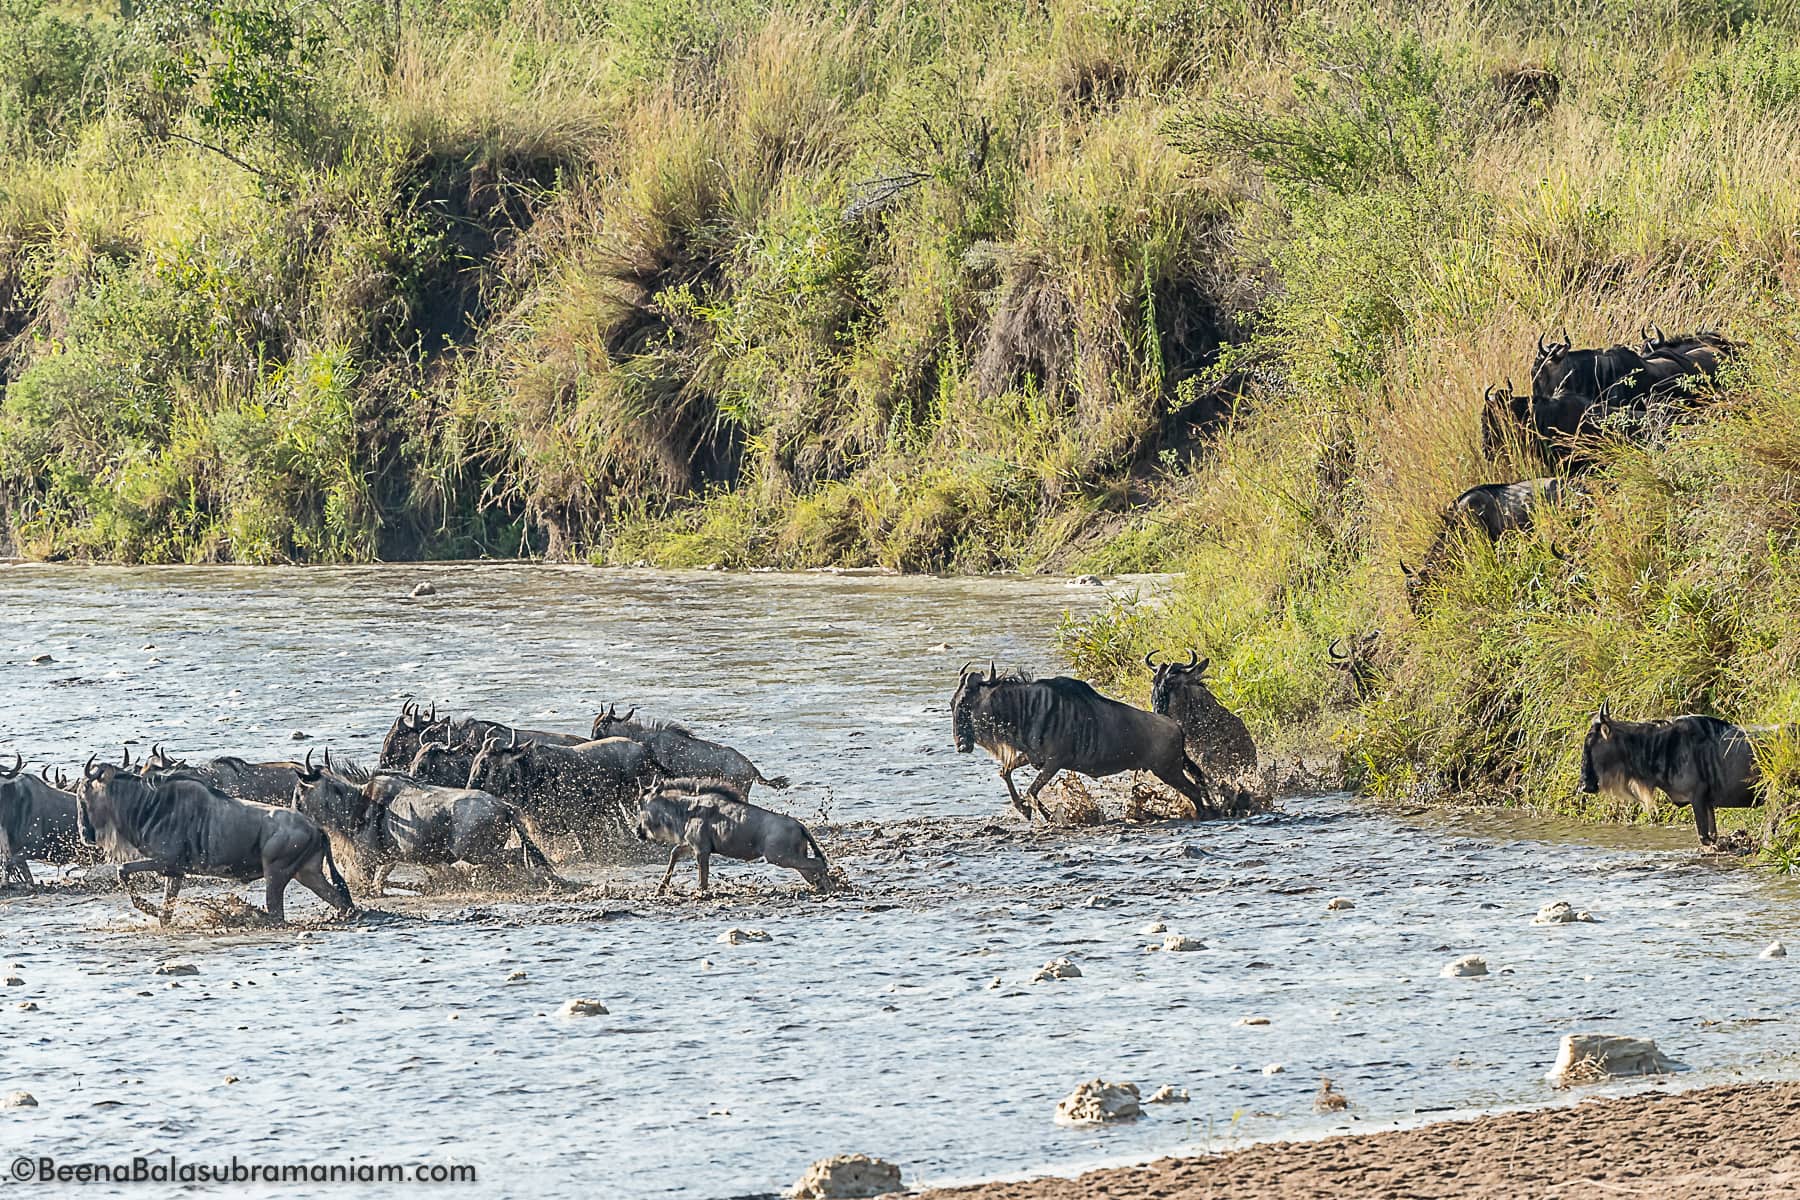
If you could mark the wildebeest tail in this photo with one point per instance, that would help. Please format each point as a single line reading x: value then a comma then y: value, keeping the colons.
x: 337, y: 880
x: 778, y: 783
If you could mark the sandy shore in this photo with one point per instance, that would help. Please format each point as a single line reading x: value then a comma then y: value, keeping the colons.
x: 1738, y: 1141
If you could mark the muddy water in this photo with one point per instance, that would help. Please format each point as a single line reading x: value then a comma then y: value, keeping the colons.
x: 869, y: 1021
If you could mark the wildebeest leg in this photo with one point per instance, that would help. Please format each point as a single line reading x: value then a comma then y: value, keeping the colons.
x: 1179, y: 781
x: 702, y: 858
x: 128, y: 872
x: 1037, y: 785
x: 674, y: 857
x: 312, y: 878
x: 274, y: 884
x: 1704, y: 822
x: 1006, y: 778
x: 171, y: 889
x: 379, y: 883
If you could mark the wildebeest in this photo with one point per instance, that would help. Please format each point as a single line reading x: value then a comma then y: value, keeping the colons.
x: 1494, y: 509
x: 1358, y: 662
x: 1704, y: 350
x: 471, y: 732
x: 588, y: 791
x: 1699, y: 761
x: 264, y: 782
x: 37, y: 821
x: 440, y: 763
x: 404, y: 735
x: 718, y: 820
x: 182, y: 826
x: 1063, y: 724
x: 685, y: 756
x: 1573, y: 392
x: 386, y: 818
x: 1216, y: 737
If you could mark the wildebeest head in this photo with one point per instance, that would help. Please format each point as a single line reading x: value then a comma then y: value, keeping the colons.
x: 1358, y: 662
x: 1171, y: 678
x: 611, y: 724
x: 1599, y: 753
x: 963, y: 706
x: 328, y: 798
x: 502, y: 767
x: 660, y: 819
x: 1503, y: 410
x: 97, y: 796
x: 404, y: 735
x: 441, y: 763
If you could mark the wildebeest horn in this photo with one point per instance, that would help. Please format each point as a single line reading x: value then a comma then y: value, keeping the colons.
x: 993, y: 671
x: 1334, y: 652
x: 514, y: 744
x: 309, y: 766
x: 88, y: 772
x: 1605, y: 713
x: 1492, y: 394
x: 18, y: 762
x: 1406, y: 570
x: 1543, y: 351
x: 327, y: 757
x: 1193, y: 658
x: 967, y: 665
x: 1150, y: 659
x: 127, y: 761
x: 44, y: 774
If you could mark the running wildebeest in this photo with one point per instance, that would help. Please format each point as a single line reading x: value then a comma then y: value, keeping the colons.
x: 588, y: 791
x: 471, y: 732
x: 1494, y: 509
x: 263, y: 783
x: 685, y: 756
x: 1358, y: 662
x: 182, y: 826
x: 718, y: 820
x: 1701, y: 762
x: 1217, y: 738
x: 404, y: 735
x: 439, y: 763
x: 385, y: 819
x: 37, y: 821
x: 1063, y: 724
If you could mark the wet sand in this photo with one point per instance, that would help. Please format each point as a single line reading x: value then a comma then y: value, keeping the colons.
x: 1738, y: 1141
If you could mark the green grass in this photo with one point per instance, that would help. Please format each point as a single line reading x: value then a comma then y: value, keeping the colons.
x: 1118, y: 285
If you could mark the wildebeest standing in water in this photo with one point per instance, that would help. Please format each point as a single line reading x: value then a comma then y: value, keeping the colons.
x: 404, y: 735
x: 181, y: 826
x: 1217, y: 738
x: 718, y: 820
x: 1063, y: 724
x: 386, y: 819
x: 1494, y: 509
x: 37, y: 820
x: 1699, y: 761
x: 686, y: 756
x: 588, y: 791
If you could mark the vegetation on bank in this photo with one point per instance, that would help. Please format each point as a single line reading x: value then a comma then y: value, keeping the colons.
x: 962, y: 285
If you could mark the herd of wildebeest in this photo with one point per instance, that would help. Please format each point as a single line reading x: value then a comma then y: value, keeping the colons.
x: 487, y: 793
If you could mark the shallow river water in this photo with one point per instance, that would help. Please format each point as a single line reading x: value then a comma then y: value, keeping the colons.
x: 896, y: 1018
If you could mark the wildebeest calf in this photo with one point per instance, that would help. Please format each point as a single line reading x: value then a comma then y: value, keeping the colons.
x: 37, y: 820
x: 1217, y: 738
x: 716, y: 820
x: 1699, y: 761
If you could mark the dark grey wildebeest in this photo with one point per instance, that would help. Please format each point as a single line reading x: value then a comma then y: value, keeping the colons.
x: 716, y: 819
x: 686, y: 756
x: 1575, y: 392
x: 441, y: 763
x: 589, y: 791
x: 472, y: 732
x: 1701, y: 762
x: 1216, y: 737
x: 1493, y: 509
x: 37, y: 821
x: 404, y: 735
x: 261, y: 782
x: 1063, y: 724
x: 181, y: 826
x: 385, y: 819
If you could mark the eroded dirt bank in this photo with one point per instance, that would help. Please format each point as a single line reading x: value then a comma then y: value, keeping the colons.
x: 1738, y: 1141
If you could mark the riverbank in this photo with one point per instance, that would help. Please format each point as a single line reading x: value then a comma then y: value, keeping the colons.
x: 1737, y: 1141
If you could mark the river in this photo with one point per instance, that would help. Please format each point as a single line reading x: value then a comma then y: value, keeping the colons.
x: 896, y: 1018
